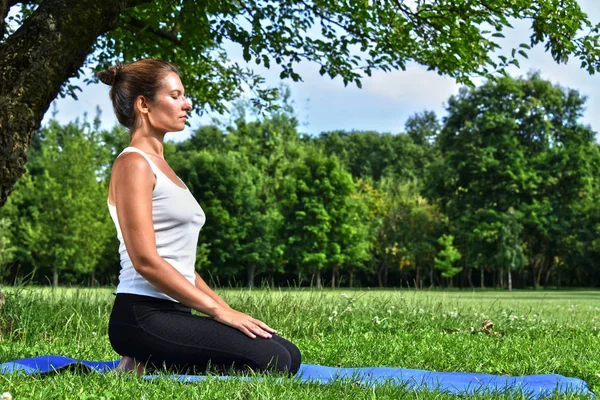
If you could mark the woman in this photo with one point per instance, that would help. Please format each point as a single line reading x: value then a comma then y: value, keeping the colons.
x: 158, y: 222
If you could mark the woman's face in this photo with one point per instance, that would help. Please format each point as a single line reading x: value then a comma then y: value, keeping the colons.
x: 169, y: 110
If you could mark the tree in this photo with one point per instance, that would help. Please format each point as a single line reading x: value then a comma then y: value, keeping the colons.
x: 375, y: 202
x: 374, y: 155
x: 514, y: 143
x: 50, y: 41
x: 349, y: 235
x: 407, y: 234
x: 260, y: 147
x: 366, y: 154
x: 510, y: 249
x: 583, y: 242
x: 224, y: 184
x: 54, y: 211
x: 446, y: 258
x: 7, y: 250
x: 318, y: 213
x: 423, y: 128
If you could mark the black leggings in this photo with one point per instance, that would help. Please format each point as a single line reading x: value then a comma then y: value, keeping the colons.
x: 163, y: 333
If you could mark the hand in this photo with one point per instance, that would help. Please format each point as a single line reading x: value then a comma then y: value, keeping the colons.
x: 245, y: 323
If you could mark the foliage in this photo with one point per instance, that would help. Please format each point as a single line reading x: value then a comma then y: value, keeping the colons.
x: 345, y: 40
x: 510, y: 175
x: 514, y: 143
x: 406, y: 237
x: 374, y: 155
x: 56, y: 224
x: 7, y: 249
x: 447, y: 256
x: 510, y: 248
x: 423, y: 128
x: 237, y: 223
x: 318, y: 211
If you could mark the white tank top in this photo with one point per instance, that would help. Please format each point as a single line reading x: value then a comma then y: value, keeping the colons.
x: 177, y: 219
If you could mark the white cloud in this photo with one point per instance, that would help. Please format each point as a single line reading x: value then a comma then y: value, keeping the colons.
x: 415, y: 86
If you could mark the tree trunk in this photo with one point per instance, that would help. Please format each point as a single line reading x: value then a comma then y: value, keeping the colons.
x: 431, y: 276
x: 538, y: 267
x: 509, y: 280
x: 380, y: 276
x: 418, y: 278
x: 470, y: 277
x: 333, y: 279
x: 251, y: 274
x: 4, y: 8
x: 35, y: 62
x: 385, y: 277
x: 538, y: 276
x: 335, y: 273
x: 351, y: 277
x: 482, y: 277
x: 501, y: 275
x: 54, y: 277
x: 318, y: 276
x: 547, y: 278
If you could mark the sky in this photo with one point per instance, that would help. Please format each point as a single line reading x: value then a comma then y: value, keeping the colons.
x: 383, y: 104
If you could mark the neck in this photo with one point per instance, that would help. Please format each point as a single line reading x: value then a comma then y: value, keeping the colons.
x: 148, y: 144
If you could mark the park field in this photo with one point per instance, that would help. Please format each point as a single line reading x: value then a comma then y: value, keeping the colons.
x: 534, y: 332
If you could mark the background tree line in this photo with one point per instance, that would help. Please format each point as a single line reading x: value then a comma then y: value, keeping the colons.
x: 502, y: 192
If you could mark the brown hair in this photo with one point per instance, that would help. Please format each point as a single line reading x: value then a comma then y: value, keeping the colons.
x: 140, y: 78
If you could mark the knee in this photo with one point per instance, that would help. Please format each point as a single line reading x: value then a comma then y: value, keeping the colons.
x: 295, y: 357
x: 285, y: 360
x: 280, y: 361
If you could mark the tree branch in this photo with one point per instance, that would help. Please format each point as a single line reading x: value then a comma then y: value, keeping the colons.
x: 15, y: 2
x: 4, y: 7
x: 141, y: 25
x: 49, y: 47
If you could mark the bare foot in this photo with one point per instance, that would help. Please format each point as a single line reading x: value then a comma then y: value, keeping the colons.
x: 128, y: 364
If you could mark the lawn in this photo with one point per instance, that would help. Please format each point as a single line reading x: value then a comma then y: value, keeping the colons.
x: 534, y: 332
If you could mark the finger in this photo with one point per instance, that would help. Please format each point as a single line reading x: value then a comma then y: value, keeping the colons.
x: 269, y: 329
x: 264, y: 326
x: 247, y: 332
x: 260, y: 332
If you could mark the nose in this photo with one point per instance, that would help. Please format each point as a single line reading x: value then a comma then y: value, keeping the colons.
x: 187, y: 105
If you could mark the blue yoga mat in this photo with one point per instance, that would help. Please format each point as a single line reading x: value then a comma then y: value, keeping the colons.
x: 460, y: 383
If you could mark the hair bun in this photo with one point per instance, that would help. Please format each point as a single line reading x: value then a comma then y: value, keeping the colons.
x: 109, y: 76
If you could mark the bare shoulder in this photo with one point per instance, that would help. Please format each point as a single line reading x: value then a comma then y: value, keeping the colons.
x: 132, y: 166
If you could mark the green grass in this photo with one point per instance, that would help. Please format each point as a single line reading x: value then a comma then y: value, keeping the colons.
x: 535, y: 332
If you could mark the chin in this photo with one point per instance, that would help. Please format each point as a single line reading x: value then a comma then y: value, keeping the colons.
x: 177, y: 128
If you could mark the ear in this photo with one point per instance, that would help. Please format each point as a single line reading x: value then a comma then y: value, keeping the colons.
x: 141, y: 105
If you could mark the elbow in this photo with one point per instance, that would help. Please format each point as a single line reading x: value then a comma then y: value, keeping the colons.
x: 144, y: 265
x: 141, y: 268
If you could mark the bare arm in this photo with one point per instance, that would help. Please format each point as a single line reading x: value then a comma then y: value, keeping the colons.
x: 133, y: 198
x: 133, y: 185
x: 201, y: 284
